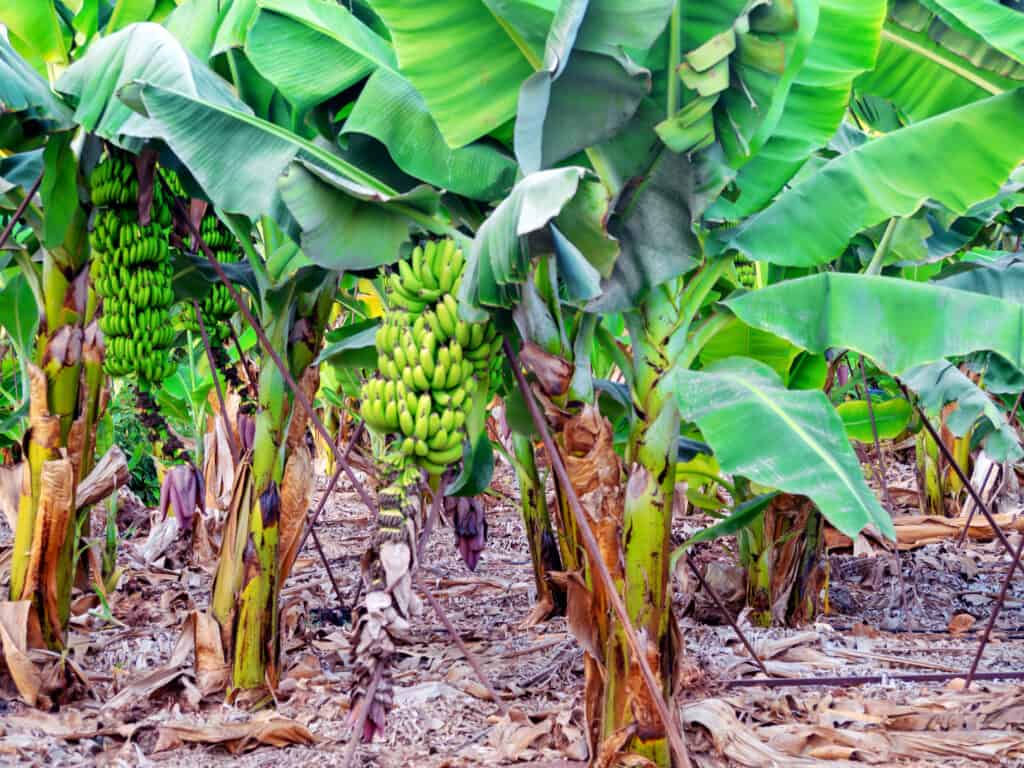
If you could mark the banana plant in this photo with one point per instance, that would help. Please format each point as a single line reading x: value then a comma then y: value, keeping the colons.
x: 62, y: 361
x: 318, y: 213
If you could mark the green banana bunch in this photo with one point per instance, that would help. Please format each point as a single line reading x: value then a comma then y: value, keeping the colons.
x: 746, y: 273
x: 429, y: 362
x: 217, y: 307
x: 131, y: 272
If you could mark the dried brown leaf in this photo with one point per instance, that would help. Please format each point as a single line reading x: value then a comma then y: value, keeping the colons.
x: 296, y: 493
x: 13, y: 637
x: 266, y: 728
x: 211, y: 667
x: 109, y: 474
x: 552, y: 372
x: 10, y: 492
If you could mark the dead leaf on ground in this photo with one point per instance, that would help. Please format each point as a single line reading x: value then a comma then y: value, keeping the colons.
x: 961, y: 623
x: 267, y: 728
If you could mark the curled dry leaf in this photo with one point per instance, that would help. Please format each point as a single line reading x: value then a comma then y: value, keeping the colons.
x: 553, y: 373
x: 296, y: 493
x: 109, y: 474
x: 10, y: 490
x: 218, y: 469
x: 212, y: 669
x: 13, y: 637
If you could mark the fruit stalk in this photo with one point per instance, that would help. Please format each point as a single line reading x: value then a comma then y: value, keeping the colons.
x: 543, y: 545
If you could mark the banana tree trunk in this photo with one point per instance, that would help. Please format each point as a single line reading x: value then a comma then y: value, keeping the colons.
x: 66, y: 384
x: 543, y: 545
x: 786, y: 571
x: 646, y: 529
x: 268, y: 505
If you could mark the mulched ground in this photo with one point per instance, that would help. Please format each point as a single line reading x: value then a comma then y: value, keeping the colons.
x: 442, y: 715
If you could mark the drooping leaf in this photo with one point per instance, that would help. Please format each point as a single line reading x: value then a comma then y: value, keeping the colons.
x: 59, y: 189
x: 898, y: 323
x: 811, y: 223
x: 1002, y: 278
x: 738, y: 519
x: 535, y: 92
x: 460, y: 58
x: 497, y: 263
x: 925, y: 68
x: 626, y: 23
x: 891, y: 418
x: 236, y: 158
x: 654, y: 232
x: 477, y: 468
x: 340, y: 231
x: 390, y: 110
x: 19, y: 315
x: 940, y: 383
x: 359, y: 228
x: 25, y: 92
x: 1001, y: 26
x: 790, y: 440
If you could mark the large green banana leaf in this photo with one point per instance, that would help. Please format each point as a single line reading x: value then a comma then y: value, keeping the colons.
x: 237, y: 158
x: 898, y: 323
x: 995, y: 23
x: 845, y: 44
x: 812, y: 222
x: 26, y: 96
x: 925, y: 67
x: 35, y: 25
x: 312, y: 50
x: 461, y: 59
x: 791, y: 440
x: 390, y: 110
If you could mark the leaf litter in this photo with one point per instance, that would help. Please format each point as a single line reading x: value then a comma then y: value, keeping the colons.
x: 147, y: 679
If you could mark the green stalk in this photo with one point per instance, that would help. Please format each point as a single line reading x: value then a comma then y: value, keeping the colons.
x: 256, y: 573
x: 255, y: 640
x: 878, y: 260
x: 647, y: 518
x: 543, y: 549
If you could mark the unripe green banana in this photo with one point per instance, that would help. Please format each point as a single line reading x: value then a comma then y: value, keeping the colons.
x: 405, y: 420
x: 446, y: 456
x: 427, y: 361
x: 419, y: 377
x: 445, y: 319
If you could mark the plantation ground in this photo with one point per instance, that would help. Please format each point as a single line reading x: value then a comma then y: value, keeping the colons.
x: 137, y: 705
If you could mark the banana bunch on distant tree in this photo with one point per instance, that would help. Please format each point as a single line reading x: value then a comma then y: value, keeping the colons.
x: 217, y: 307
x: 746, y: 272
x: 430, y: 367
x: 131, y: 272
x: 429, y: 362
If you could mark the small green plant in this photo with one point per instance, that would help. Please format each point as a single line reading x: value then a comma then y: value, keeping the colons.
x: 121, y: 426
